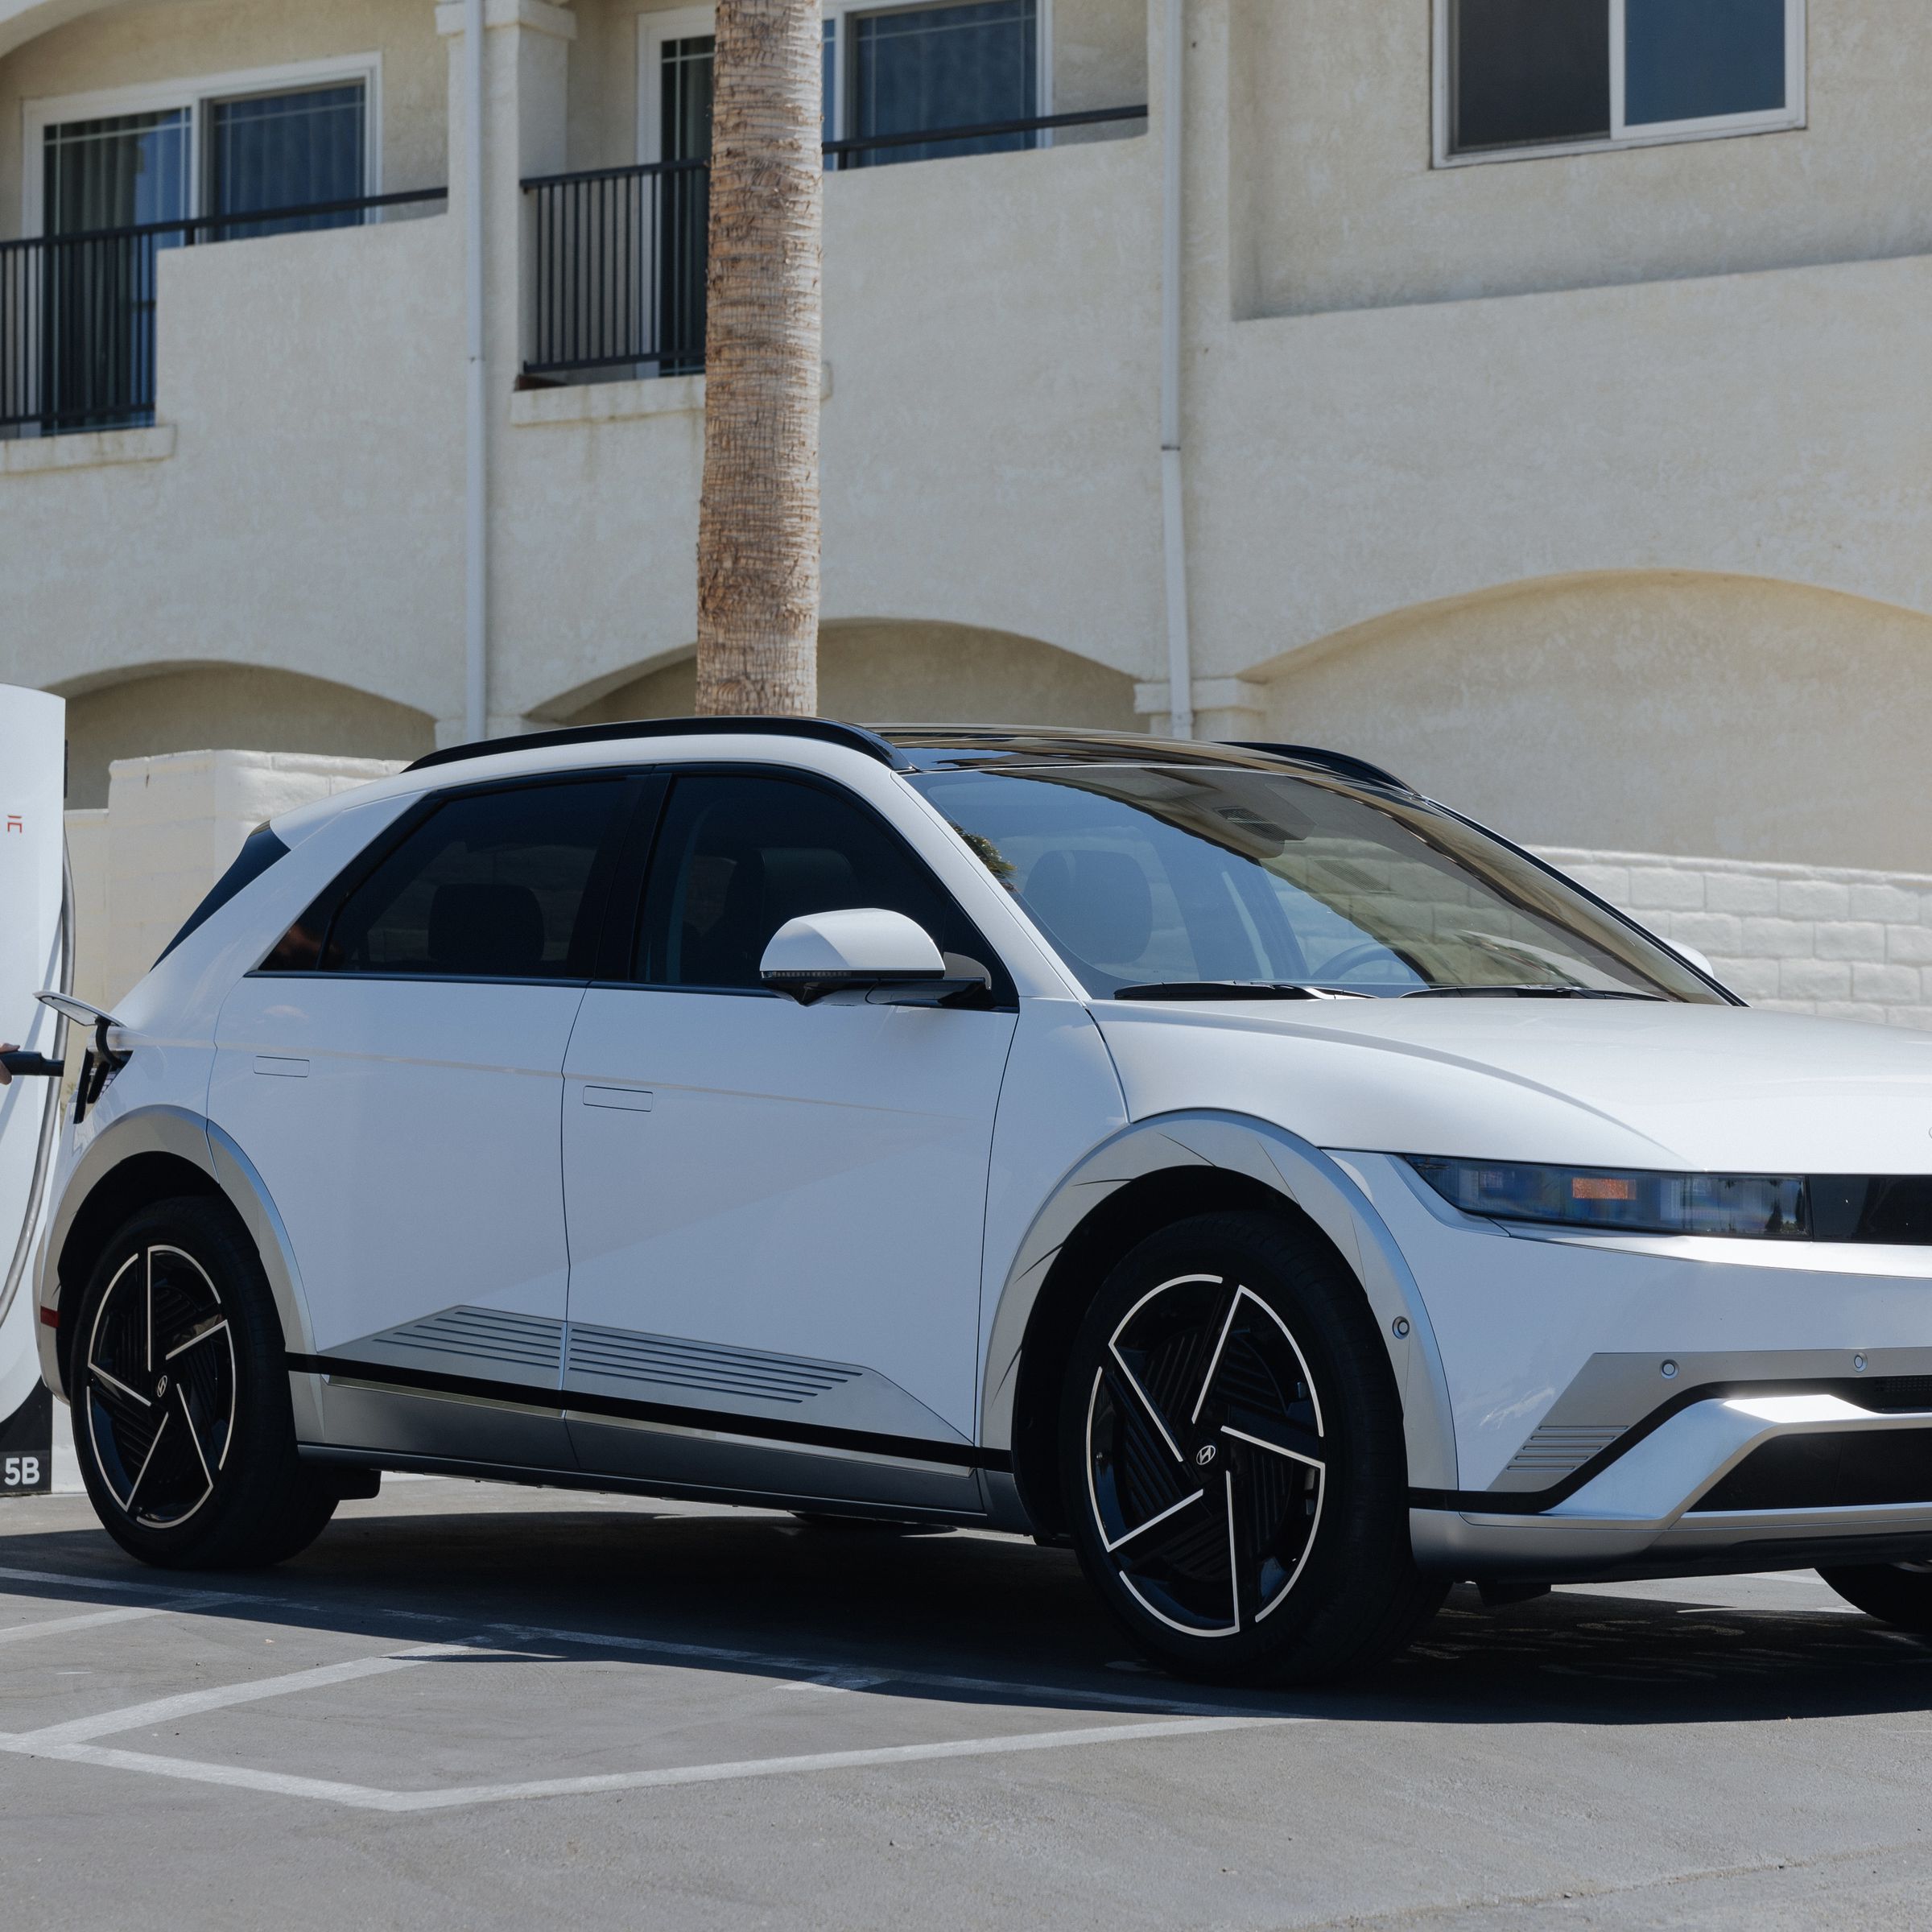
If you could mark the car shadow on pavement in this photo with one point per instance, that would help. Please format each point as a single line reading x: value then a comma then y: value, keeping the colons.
x: 976, y: 1618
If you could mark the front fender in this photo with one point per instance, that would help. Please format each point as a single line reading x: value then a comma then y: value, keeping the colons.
x: 1288, y: 1165
x: 187, y: 1137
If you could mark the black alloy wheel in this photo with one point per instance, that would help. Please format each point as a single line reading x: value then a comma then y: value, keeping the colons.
x: 158, y: 1386
x: 182, y: 1417
x: 1232, y: 1457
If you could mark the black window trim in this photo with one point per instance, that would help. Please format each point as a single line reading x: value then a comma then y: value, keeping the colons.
x: 604, y: 868
x: 621, y: 945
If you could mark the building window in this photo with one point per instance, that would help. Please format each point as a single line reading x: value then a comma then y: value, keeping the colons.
x: 930, y: 67
x: 1517, y: 77
x: 232, y: 146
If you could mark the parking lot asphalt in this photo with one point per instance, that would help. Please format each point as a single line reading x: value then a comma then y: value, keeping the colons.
x: 473, y: 1706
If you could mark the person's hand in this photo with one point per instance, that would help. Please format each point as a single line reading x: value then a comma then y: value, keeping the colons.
x: 5, y: 1046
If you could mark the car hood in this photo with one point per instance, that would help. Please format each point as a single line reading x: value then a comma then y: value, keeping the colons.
x: 1589, y: 1082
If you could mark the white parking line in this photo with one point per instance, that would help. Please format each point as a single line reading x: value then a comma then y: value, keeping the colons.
x: 192, y: 1703
x: 48, y: 1626
x: 372, y: 1798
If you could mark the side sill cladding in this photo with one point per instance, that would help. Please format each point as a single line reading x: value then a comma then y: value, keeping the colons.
x: 188, y: 1137
x: 1300, y: 1174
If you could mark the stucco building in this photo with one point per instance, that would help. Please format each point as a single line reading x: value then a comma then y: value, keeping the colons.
x: 1549, y: 411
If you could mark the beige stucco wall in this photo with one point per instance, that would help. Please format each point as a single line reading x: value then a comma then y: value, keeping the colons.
x: 1736, y: 461
x: 138, y: 45
x: 274, y: 711
x: 883, y: 672
x: 1750, y: 719
x: 1339, y: 207
x: 988, y: 454
x: 308, y: 514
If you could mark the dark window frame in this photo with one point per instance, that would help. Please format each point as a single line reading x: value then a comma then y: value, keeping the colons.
x: 321, y: 913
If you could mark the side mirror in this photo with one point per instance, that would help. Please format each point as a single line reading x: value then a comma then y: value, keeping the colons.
x: 1696, y: 957
x: 867, y: 947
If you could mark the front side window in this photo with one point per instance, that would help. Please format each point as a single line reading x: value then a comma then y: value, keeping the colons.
x: 494, y: 885
x: 738, y: 856
x: 1520, y: 74
x: 1146, y: 875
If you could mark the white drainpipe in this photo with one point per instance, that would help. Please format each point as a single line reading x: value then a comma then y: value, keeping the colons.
x: 1174, y: 529
x: 476, y: 505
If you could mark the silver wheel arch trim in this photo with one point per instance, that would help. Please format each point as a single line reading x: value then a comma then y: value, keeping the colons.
x: 189, y: 1137
x: 1284, y: 1164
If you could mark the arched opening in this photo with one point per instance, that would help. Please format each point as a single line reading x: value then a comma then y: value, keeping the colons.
x: 912, y: 673
x: 229, y: 708
x: 1667, y: 711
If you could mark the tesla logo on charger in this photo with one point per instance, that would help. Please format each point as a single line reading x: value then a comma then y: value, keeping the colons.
x: 15, y: 823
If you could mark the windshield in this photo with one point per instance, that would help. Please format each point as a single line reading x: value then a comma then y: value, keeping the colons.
x: 1142, y: 875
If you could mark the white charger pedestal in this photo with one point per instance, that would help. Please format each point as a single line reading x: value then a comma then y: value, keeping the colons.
x: 33, y: 797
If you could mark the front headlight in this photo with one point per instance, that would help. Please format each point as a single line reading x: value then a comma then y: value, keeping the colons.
x: 1766, y: 1207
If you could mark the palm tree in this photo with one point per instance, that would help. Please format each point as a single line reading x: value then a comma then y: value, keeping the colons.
x: 758, y: 516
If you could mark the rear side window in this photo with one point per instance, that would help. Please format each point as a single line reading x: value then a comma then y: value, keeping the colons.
x: 738, y: 856
x: 495, y: 884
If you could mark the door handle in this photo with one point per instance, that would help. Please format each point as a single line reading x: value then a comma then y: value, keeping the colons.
x: 628, y: 1100
x: 282, y: 1066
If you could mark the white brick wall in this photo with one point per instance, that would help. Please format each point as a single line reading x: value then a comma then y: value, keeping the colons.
x: 1800, y: 939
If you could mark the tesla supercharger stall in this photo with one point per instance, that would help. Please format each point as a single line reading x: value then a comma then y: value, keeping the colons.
x: 33, y: 747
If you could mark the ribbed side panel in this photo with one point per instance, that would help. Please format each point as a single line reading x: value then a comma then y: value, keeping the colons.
x: 663, y: 1361
x: 484, y: 1335
x: 1552, y: 1453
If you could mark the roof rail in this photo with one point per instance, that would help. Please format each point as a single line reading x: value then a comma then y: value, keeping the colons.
x: 854, y: 737
x: 1340, y: 763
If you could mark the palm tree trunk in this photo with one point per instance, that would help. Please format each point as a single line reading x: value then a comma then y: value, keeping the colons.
x: 758, y: 516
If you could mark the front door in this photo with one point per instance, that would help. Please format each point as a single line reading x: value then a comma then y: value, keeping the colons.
x: 395, y: 1074
x: 776, y: 1211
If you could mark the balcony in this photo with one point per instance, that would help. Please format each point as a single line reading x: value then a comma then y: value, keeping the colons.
x: 77, y: 311
x: 618, y: 253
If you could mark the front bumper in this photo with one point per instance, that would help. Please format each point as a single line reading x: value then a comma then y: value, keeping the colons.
x: 1607, y: 1391
x: 1726, y: 1482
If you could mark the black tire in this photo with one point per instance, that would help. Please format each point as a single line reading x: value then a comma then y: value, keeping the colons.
x: 1228, y: 1381
x: 1897, y: 1594
x: 176, y: 1323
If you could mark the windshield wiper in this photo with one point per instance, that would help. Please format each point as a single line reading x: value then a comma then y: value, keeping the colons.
x: 1234, y: 989
x: 1530, y: 993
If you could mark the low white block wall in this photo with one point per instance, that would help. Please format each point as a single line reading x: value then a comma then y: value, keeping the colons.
x: 171, y: 827
x: 1842, y: 944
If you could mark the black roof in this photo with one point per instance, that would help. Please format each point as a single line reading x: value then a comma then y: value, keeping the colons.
x: 952, y: 747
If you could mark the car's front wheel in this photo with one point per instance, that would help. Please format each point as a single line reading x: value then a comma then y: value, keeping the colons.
x: 180, y: 1388
x: 1233, y: 1458
x: 1898, y: 1594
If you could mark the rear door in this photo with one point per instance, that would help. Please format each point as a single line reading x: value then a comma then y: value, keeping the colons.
x: 393, y: 1072
x: 776, y: 1211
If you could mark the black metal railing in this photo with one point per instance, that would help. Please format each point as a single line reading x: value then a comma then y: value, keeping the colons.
x: 77, y: 311
x: 619, y: 252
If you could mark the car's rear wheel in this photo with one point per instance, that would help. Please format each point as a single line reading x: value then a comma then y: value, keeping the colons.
x: 1233, y: 1458
x: 182, y: 1418
x: 1898, y: 1594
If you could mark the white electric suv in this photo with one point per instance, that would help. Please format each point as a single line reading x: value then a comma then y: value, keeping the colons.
x: 1219, y: 1156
